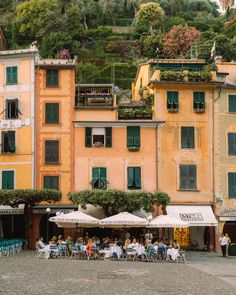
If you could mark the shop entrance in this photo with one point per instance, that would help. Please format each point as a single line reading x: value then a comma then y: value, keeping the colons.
x: 230, y: 229
x: 53, y: 229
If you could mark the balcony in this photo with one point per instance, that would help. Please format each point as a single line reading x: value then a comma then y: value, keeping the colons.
x: 144, y: 113
x: 185, y: 76
x: 95, y: 96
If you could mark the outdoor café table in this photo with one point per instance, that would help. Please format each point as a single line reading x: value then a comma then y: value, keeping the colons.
x: 173, y: 253
x: 115, y: 249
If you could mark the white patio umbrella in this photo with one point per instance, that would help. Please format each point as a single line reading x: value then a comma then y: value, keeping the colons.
x: 74, y: 219
x: 123, y: 219
x: 166, y: 221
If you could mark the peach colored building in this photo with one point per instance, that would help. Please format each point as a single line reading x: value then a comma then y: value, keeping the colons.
x: 185, y: 142
x: 109, y: 152
x: 17, y: 127
x: 55, y: 94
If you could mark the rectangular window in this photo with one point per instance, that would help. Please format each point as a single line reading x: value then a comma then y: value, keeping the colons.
x: 11, y: 75
x: 188, y: 179
x: 199, y: 101
x: 232, y: 103
x: 12, y: 109
x: 172, y: 101
x: 52, y: 78
x: 7, y: 179
x: 232, y: 185
x: 134, y: 178
x: 99, y: 178
x: 52, y: 151
x: 52, y: 113
x: 98, y: 137
x: 8, y: 142
x: 51, y: 182
x: 232, y: 144
x: 133, y: 137
x: 187, y: 137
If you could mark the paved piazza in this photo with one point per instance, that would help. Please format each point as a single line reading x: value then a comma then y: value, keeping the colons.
x: 204, y: 273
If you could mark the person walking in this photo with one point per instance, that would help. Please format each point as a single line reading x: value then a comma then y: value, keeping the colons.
x: 227, y: 246
x: 223, y: 243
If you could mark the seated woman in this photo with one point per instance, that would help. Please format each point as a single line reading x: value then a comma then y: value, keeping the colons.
x: 53, y: 241
x: 90, y: 248
x: 60, y: 240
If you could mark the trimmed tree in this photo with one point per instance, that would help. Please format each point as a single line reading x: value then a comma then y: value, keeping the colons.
x: 29, y: 198
x: 179, y: 40
x: 116, y: 201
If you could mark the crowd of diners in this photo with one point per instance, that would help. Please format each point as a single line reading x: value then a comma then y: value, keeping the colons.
x: 91, y: 246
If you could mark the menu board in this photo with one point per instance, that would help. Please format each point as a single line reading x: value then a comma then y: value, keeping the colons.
x: 182, y: 235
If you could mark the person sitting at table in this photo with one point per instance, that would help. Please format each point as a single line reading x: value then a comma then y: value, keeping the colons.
x: 97, y: 242
x: 41, y: 247
x: 90, y: 248
x: 60, y: 240
x: 53, y: 240
x: 127, y: 244
x: 161, y: 244
x: 135, y: 245
x: 176, y: 245
x: 155, y: 246
x: 105, y: 244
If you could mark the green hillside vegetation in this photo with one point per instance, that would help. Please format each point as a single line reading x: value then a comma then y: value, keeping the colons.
x: 111, y: 37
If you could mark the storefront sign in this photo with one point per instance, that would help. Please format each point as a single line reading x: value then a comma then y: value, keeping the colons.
x: 227, y: 218
x: 182, y: 235
x: 191, y: 216
x: 53, y: 210
x: 11, y: 211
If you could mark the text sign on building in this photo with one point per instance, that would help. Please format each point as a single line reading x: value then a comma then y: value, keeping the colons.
x: 191, y: 216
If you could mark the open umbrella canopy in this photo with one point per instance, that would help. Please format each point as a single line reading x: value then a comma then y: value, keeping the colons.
x: 74, y: 219
x: 166, y: 221
x: 123, y: 219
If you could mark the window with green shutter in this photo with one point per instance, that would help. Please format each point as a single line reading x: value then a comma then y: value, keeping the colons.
x: 134, y: 177
x: 99, y: 178
x: 232, y: 103
x: 188, y: 177
x: 232, y: 184
x: 108, y: 132
x: 7, y: 179
x: 52, y: 152
x: 133, y: 137
x: 232, y: 144
x: 172, y: 101
x: 52, y: 113
x: 187, y: 137
x: 51, y: 182
x: 8, y: 142
x: 52, y: 78
x: 11, y: 75
x: 199, y: 101
x: 12, y: 109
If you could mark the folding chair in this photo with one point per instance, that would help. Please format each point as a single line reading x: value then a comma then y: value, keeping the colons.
x: 130, y: 254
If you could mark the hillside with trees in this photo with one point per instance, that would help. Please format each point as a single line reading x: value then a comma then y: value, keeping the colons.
x: 111, y: 37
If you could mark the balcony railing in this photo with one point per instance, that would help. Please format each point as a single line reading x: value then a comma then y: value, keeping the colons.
x: 94, y: 100
x: 135, y: 114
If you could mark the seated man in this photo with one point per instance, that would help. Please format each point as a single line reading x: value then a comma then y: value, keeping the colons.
x: 42, y: 248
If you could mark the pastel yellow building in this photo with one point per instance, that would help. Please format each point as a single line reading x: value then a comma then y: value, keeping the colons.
x: 17, y: 109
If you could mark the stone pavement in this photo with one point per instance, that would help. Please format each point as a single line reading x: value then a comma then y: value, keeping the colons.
x: 204, y: 273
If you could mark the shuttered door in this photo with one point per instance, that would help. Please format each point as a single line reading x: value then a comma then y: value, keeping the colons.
x: 7, y: 179
x: 232, y: 144
x: 108, y: 136
x: 232, y: 185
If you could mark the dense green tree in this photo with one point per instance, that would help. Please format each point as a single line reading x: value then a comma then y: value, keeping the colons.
x: 149, y: 14
x: 89, y: 9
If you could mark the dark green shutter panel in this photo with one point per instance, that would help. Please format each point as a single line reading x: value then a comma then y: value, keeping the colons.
x: 47, y: 183
x: 54, y: 182
x: 52, y: 113
x: 108, y: 136
x: 14, y: 75
x: 232, y: 185
x: 130, y: 177
x: 136, y: 132
x: 11, y: 141
x: 137, y: 177
x: 232, y: 103
x: 191, y: 140
x: 95, y: 175
x: 7, y: 179
x: 55, y: 77
x: 129, y: 137
x: 55, y: 113
x: 88, y: 136
x: 232, y: 143
x: 184, y: 137
x: 103, y: 177
x: 16, y: 108
x: 192, y: 177
x: 48, y: 113
x: 8, y: 74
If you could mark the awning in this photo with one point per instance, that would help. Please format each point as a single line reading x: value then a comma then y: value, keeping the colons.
x: 194, y: 215
x: 7, y: 210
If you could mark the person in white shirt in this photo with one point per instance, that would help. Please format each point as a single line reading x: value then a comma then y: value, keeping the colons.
x: 135, y: 245
x: 223, y: 243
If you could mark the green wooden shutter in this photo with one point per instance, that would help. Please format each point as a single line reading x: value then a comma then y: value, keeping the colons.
x: 130, y: 174
x: 7, y: 179
x: 184, y: 137
x: 11, y: 141
x: 16, y: 108
x: 232, y: 185
x: 52, y: 78
x: 54, y: 182
x: 172, y: 100
x: 137, y: 177
x: 11, y: 75
x: 8, y: 75
x: 14, y: 75
x: 192, y: 177
x: 52, y: 151
x: 199, y: 100
x: 103, y: 177
x: 232, y: 103
x: 129, y: 137
x: 232, y: 143
x: 55, y: 113
x: 5, y: 143
x: 108, y: 136
x: 95, y: 176
x: 46, y: 182
x: 88, y: 136
x: 136, y: 134
x: 183, y: 176
x: 191, y: 141
x: 52, y: 113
